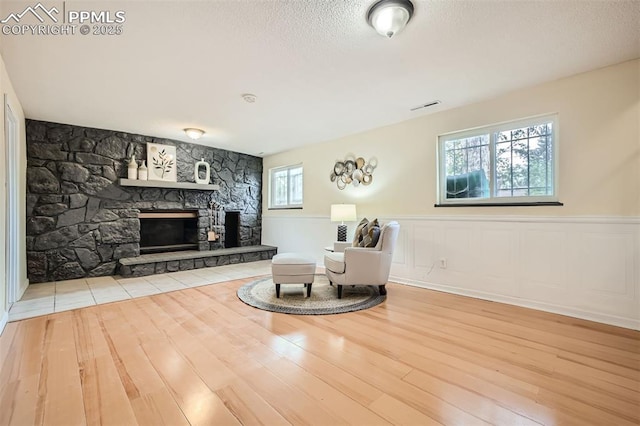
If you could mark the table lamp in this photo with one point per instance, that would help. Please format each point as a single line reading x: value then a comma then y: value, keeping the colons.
x: 340, y: 213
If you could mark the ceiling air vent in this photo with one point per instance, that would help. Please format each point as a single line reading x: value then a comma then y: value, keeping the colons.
x: 427, y: 105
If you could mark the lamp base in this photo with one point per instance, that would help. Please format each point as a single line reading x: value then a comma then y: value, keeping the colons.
x: 342, y: 232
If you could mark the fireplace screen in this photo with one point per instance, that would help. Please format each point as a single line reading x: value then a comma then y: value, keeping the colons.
x: 167, y: 231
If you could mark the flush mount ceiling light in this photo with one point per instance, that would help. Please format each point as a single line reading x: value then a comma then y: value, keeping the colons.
x: 194, y: 134
x: 249, y: 98
x: 389, y: 17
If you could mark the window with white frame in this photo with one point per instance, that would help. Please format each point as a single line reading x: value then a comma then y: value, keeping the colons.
x: 285, y: 187
x: 507, y: 163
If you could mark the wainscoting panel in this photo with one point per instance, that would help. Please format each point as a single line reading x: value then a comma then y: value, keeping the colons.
x: 424, y: 247
x: 614, y: 276
x: 544, y: 261
x: 457, y: 244
x: 493, y: 253
x: 543, y: 247
x: 583, y: 267
x: 608, y: 269
x: 400, y: 254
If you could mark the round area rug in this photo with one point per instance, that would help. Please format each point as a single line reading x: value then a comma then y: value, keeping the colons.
x: 324, y: 300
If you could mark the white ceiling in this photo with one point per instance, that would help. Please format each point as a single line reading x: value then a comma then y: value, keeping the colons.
x: 319, y: 71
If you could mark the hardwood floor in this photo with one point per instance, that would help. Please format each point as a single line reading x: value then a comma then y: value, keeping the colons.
x: 201, y: 356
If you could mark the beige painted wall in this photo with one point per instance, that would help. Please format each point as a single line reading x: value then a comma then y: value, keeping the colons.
x: 599, y: 141
x: 6, y: 87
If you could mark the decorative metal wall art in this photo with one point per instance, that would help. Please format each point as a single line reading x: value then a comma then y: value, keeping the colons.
x: 354, y: 171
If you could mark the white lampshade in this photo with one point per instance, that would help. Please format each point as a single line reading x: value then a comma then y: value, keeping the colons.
x: 343, y: 212
x: 194, y: 133
x: 389, y: 17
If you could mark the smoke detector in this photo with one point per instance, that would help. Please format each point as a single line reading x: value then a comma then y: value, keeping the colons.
x: 249, y: 98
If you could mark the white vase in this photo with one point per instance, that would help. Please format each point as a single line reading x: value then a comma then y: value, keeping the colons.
x: 132, y: 172
x: 207, y: 172
x: 142, y: 171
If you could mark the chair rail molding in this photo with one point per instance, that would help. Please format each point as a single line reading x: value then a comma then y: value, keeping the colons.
x: 631, y: 220
x: 586, y: 267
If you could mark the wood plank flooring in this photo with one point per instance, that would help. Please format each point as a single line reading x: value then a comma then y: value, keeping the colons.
x: 202, y: 357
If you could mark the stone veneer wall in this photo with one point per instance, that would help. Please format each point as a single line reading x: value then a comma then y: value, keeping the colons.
x: 80, y: 221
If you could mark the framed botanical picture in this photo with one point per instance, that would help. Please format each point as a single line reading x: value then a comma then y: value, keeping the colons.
x: 161, y: 162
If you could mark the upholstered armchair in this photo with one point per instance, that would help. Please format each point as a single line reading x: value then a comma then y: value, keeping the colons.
x: 364, y: 266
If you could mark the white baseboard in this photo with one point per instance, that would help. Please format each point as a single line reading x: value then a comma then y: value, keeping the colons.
x: 541, y: 306
x: 3, y: 321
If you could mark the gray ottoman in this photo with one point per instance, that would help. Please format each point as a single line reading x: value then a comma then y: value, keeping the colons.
x: 292, y: 268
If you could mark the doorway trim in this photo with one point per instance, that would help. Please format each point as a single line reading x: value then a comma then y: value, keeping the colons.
x: 12, y: 243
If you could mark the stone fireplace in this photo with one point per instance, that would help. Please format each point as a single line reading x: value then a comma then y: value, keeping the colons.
x: 81, y: 221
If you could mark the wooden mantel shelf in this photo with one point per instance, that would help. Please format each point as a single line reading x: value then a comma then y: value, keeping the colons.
x: 165, y: 184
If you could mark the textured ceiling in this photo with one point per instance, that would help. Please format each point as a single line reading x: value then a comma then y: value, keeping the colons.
x: 318, y: 70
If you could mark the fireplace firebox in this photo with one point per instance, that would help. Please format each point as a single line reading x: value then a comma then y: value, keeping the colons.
x: 231, y: 229
x: 166, y: 231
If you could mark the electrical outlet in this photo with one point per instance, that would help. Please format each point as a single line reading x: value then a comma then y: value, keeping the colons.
x: 443, y: 263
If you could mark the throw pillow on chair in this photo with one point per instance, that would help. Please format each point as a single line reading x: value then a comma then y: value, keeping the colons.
x: 357, y: 237
x: 370, y: 234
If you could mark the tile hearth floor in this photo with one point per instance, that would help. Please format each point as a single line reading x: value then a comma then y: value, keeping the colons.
x: 58, y: 296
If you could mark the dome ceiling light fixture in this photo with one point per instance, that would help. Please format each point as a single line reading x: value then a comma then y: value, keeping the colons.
x: 389, y: 17
x: 194, y: 134
x: 249, y: 98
